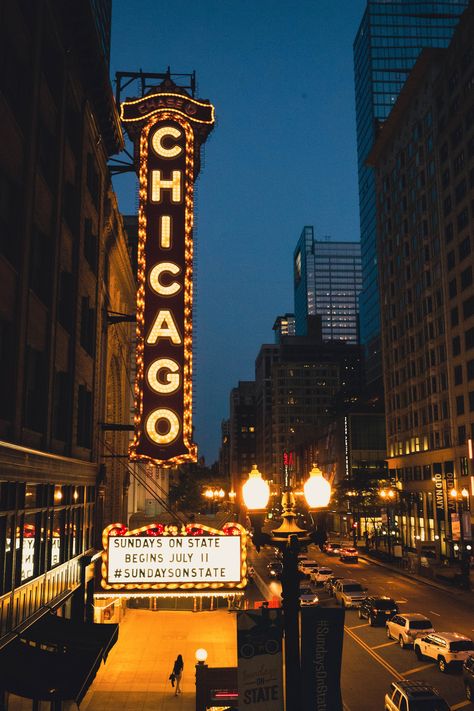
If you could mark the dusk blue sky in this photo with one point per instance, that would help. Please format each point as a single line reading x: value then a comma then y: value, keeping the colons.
x: 282, y: 155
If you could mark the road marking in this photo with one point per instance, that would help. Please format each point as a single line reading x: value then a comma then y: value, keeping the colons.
x: 400, y: 601
x: 356, y: 627
x: 460, y: 705
x: 345, y: 706
x: 417, y: 669
x: 385, y: 644
x: 435, y: 613
x: 374, y: 655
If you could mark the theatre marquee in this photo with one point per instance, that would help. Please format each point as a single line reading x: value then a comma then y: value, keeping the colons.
x: 159, y: 557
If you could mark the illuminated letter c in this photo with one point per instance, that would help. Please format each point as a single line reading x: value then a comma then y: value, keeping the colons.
x: 157, y: 142
x: 155, y: 275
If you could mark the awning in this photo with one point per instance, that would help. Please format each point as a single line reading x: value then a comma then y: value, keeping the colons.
x: 55, y: 659
x: 53, y: 630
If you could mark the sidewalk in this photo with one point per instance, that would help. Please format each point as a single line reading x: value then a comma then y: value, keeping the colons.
x: 135, y: 676
x: 465, y: 595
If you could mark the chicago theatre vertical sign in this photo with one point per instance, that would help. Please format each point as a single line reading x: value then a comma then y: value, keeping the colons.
x: 168, y: 128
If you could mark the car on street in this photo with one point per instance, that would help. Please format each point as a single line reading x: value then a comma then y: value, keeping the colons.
x: 349, y: 555
x: 377, y: 609
x: 307, y: 566
x: 414, y: 696
x: 321, y: 575
x: 307, y: 596
x: 468, y: 677
x: 330, y: 583
x: 446, y: 648
x: 275, y: 569
x: 349, y: 593
x: 332, y: 548
x: 407, y: 627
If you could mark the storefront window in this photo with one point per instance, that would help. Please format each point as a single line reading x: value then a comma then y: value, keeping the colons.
x: 29, y: 547
x: 31, y: 496
x: 56, y: 538
x: 6, y: 553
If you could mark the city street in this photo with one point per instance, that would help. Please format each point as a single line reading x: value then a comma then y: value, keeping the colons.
x: 371, y: 661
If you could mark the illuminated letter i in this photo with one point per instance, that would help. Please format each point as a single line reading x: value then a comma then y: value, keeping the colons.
x: 165, y: 231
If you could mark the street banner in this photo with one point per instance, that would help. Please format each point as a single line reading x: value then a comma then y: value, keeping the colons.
x: 322, y: 632
x: 466, y: 526
x: 259, y: 648
x: 455, y: 527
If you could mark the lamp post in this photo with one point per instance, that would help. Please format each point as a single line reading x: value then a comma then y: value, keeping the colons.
x: 287, y: 538
x: 460, y: 497
x: 388, y: 495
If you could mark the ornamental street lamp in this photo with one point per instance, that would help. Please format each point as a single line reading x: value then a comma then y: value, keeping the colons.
x: 461, y: 499
x: 287, y: 538
x: 388, y: 495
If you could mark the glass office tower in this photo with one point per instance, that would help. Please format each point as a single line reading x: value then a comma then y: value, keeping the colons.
x: 390, y: 38
x: 328, y: 281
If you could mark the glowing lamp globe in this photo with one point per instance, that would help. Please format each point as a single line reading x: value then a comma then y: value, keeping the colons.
x: 317, y: 489
x: 201, y: 655
x: 256, y: 491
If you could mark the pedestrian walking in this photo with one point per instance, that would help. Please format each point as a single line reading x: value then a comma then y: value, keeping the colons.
x: 178, y: 667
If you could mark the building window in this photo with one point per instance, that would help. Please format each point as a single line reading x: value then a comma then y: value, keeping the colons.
x: 468, y: 307
x: 87, y: 326
x: 464, y: 248
x: 10, y: 213
x: 90, y: 245
x: 66, y: 301
x: 470, y: 369
x: 84, y: 417
x: 62, y: 405
x: 466, y: 278
x: 469, y: 339
x: 41, y: 265
x: 456, y: 346
x: 458, y: 375
x: 35, y: 389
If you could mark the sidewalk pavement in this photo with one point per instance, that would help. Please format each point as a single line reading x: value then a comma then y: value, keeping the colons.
x: 465, y: 595
x: 135, y: 675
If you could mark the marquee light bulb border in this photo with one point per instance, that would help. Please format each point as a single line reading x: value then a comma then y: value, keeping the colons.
x: 192, y: 530
x: 192, y: 105
x: 191, y: 454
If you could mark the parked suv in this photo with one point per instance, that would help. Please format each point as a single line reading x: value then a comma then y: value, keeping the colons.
x: 349, y: 593
x: 407, y: 627
x: 445, y: 647
x: 377, y: 609
x: 412, y: 696
x: 468, y: 677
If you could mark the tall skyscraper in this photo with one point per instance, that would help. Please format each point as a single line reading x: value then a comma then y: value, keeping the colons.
x: 388, y: 42
x: 426, y: 246
x: 327, y: 282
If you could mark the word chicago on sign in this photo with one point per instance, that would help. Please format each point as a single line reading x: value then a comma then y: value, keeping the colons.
x: 167, y: 128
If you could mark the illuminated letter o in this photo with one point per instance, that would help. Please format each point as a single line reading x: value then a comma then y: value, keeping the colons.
x: 173, y: 426
x: 157, y: 142
x: 155, y: 275
x: 172, y: 376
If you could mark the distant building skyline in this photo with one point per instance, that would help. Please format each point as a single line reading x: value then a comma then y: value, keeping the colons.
x: 327, y: 283
x: 390, y: 38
